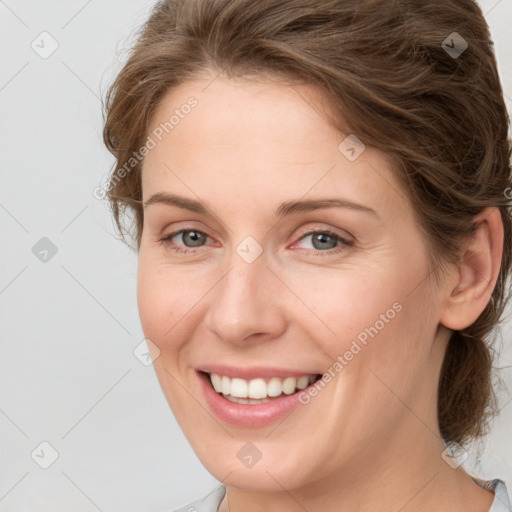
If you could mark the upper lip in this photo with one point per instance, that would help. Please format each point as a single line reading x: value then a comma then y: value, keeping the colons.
x: 252, y: 372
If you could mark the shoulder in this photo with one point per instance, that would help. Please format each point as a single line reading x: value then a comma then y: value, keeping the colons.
x: 211, y: 502
x: 501, y: 501
x: 208, y: 503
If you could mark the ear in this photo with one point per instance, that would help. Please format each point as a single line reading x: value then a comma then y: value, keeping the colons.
x: 477, y: 272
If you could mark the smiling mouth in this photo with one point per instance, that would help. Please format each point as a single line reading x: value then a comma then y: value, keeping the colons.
x: 259, y: 390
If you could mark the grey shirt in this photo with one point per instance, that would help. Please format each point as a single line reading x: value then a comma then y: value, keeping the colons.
x: 211, y: 502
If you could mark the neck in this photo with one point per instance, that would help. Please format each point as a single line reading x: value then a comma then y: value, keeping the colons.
x: 409, y: 477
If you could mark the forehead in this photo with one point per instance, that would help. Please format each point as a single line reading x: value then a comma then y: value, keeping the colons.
x: 256, y: 136
x: 246, y: 114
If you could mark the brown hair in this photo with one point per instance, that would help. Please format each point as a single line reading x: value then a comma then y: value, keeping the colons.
x: 386, y: 69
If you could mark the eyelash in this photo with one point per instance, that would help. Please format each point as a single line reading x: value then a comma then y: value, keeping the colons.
x: 316, y: 252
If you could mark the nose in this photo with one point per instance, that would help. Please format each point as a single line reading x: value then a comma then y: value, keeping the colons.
x: 245, y: 305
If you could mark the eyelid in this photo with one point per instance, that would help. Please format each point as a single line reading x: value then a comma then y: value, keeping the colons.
x: 167, y: 236
x: 186, y: 226
x: 316, y: 229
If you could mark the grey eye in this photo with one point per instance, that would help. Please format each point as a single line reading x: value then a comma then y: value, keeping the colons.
x: 192, y: 238
x: 323, y: 240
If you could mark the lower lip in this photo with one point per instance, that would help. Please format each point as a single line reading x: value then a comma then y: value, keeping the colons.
x: 245, y: 415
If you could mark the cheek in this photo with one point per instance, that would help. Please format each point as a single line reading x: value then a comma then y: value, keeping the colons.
x: 165, y: 300
x: 376, y: 335
x: 368, y: 317
x: 341, y: 305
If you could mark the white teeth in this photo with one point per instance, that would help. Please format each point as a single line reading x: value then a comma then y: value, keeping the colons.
x: 274, y: 387
x: 226, y: 385
x: 258, y: 390
x: 302, y: 382
x: 289, y: 385
x: 217, y: 382
x: 246, y: 400
x: 239, y: 388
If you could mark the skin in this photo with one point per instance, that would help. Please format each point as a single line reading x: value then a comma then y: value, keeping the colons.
x: 369, y: 440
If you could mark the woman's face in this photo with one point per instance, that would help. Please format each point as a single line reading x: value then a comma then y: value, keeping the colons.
x: 249, y: 287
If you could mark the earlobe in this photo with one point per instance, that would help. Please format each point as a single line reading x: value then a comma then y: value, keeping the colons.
x: 477, y: 272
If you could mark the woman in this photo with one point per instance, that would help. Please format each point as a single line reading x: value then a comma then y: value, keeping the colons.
x: 320, y: 200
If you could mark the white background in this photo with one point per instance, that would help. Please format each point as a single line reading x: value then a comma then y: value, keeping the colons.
x: 68, y: 326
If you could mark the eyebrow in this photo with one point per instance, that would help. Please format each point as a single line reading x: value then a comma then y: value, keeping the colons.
x: 285, y: 209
